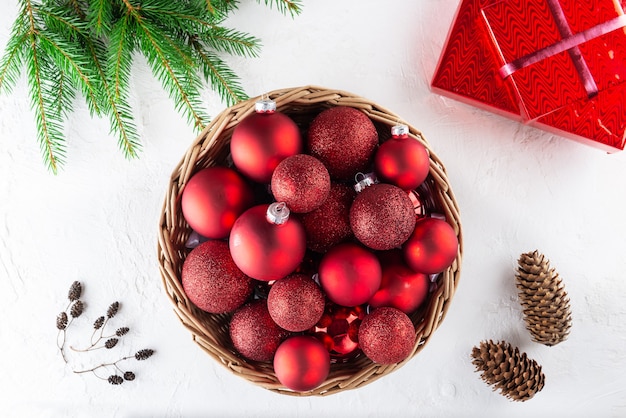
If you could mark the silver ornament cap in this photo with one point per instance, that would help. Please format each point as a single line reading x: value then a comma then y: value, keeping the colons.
x: 265, y: 106
x: 277, y: 213
x: 399, y: 130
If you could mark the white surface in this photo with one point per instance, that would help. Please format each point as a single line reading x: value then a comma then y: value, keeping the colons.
x: 518, y: 189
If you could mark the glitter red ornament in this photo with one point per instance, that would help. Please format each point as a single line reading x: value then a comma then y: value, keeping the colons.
x: 296, y: 302
x: 262, y: 140
x: 301, y: 363
x: 387, y: 335
x: 402, y: 160
x: 344, y: 139
x: 212, y: 281
x: 400, y: 286
x: 302, y: 182
x: 213, y: 199
x: 329, y: 224
x: 253, y: 332
x: 266, y: 243
x: 432, y: 247
x: 349, y: 274
x: 382, y: 216
x: 338, y: 329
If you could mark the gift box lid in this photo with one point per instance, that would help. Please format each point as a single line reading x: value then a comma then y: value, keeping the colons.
x: 559, y: 65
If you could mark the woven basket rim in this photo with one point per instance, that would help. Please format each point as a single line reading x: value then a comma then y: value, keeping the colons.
x: 211, y: 148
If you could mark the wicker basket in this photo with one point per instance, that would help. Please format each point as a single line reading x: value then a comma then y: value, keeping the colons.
x: 210, y: 331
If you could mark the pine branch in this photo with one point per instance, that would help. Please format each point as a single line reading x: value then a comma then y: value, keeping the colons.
x: 76, y: 6
x: 75, y: 66
x: 120, y: 55
x: 73, y: 63
x: 48, y: 121
x: 170, y: 69
x: 221, y: 78
x: 231, y: 41
x: 293, y: 7
x: 87, y: 46
x: 100, y: 16
x: 12, y: 60
x: 117, y: 109
x: 65, y: 92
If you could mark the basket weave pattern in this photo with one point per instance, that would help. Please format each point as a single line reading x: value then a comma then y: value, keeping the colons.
x: 212, y: 147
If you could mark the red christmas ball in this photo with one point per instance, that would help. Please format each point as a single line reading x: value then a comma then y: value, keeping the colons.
x: 253, y: 332
x: 262, y: 140
x: 302, y: 182
x: 296, y: 302
x: 212, y: 281
x: 338, y: 329
x: 400, y: 286
x: 382, y: 216
x: 344, y: 139
x: 349, y: 274
x: 266, y: 243
x: 301, y: 363
x: 432, y: 247
x: 402, y: 160
x: 329, y: 224
x: 387, y: 335
x: 213, y: 198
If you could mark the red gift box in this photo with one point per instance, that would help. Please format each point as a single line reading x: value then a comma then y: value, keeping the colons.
x: 559, y: 65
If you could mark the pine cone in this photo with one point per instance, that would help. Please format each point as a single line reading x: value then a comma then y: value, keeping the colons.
x: 543, y: 297
x: 502, y: 366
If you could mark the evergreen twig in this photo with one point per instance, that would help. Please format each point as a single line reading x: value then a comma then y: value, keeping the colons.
x: 88, y: 47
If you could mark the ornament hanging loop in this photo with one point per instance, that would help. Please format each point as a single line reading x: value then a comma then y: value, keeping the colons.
x: 277, y: 213
x: 364, y: 180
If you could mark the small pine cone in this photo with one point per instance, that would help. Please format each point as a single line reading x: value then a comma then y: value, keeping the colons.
x: 62, y: 321
x: 76, y: 289
x: 502, y: 366
x: 115, y: 379
x: 99, y: 322
x: 129, y: 376
x: 144, y: 354
x: 122, y: 331
x: 113, y: 308
x: 544, y: 300
x: 110, y: 343
x: 77, y: 309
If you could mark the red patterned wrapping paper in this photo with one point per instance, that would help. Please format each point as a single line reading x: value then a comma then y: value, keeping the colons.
x: 579, y: 92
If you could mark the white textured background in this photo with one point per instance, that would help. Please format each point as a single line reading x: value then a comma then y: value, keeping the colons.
x: 518, y: 189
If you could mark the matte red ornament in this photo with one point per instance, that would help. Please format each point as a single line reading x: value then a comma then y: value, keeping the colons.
x: 382, y: 216
x: 400, y: 287
x: 266, y: 243
x: 302, y: 182
x: 296, y: 302
x: 349, y: 274
x: 213, y: 199
x: 262, y: 140
x: 338, y: 329
x: 301, y: 363
x: 329, y: 224
x: 212, y: 281
x: 401, y: 160
x: 253, y: 332
x: 432, y: 247
x: 344, y: 139
x: 387, y: 335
